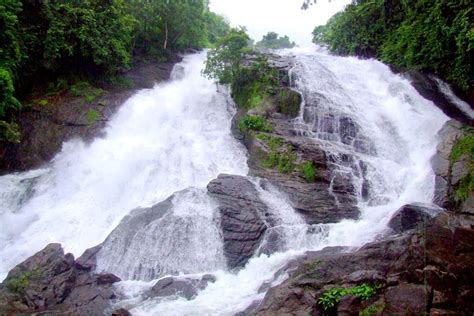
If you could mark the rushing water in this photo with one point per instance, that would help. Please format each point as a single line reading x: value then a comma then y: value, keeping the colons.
x: 377, y: 130
x: 162, y: 140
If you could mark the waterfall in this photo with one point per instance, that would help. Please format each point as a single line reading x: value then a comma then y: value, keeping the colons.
x: 162, y: 140
x: 377, y: 131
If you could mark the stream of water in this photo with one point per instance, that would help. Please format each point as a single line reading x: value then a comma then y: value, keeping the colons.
x: 177, y: 137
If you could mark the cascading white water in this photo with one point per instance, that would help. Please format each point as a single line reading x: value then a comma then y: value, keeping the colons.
x: 177, y: 135
x: 394, y: 140
x: 162, y: 140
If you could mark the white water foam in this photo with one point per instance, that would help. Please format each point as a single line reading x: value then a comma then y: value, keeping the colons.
x: 162, y: 140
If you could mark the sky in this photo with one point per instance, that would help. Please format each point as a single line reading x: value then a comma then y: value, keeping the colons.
x: 284, y: 17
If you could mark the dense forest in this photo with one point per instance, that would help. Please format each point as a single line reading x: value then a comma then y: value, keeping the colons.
x: 431, y: 35
x: 48, y: 45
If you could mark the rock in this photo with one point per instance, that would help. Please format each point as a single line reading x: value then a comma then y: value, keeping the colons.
x: 121, y: 312
x: 412, y: 215
x: 242, y: 217
x: 185, y: 287
x: 418, y: 270
x: 51, y: 281
x: 426, y: 85
x: 406, y: 299
x: 448, y: 176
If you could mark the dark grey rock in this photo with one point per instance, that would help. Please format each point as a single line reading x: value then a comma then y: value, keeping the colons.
x: 176, y: 286
x: 242, y: 217
x: 412, y: 216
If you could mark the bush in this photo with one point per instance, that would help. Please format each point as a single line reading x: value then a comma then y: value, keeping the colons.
x: 308, y: 171
x: 464, y: 146
x: 333, y: 296
x: 254, y: 123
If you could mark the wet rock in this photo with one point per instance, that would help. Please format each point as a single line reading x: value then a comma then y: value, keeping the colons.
x: 185, y: 287
x: 121, y: 312
x: 448, y: 135
x: 411, y: 216
x: 288, y: 103
x: 242, y: 217
x: 406, y: 299
x: 50, y: 281
x: 426, y: 86
x: 421, y: 269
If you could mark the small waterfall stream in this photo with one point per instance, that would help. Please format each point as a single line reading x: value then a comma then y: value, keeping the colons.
x: 377, y: 130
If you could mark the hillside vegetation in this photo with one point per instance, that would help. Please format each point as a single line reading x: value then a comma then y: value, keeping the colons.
x: 431, y: 35
x: 47, y: 46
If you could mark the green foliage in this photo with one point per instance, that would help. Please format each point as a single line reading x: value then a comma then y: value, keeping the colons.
x: 43, y: 102
x: 433, y: 35
x: 21, y: 281
x: 86, y: 90
x: 308, y: 171
x: 272, y: 41
x: 7, y: 99
x: 224, y: 62
x: 333, y: 296
x: 465, y: 145
x: 92, y: 116
x: 217, y: 27
x: 10, y: 132
x: 56, y: 87
x: 254, y: 123
x: 372, y: 310
x: 286, y: 161
x: 272, y: 142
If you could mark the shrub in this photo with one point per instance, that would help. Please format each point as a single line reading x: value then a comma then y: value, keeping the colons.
x: 254, y: 123
x: 464, y: 146
x: 308, y: 171
x: 286, y: 161
x: 333, y: 296
x: 92, y: 116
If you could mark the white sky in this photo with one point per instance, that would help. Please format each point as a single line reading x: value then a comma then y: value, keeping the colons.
x: 284, y: 17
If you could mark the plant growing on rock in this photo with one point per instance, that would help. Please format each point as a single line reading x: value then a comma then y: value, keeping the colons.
x: 308, y: 171
x: 464, y: 147
x: 254, y: 123
x: 333, y: 296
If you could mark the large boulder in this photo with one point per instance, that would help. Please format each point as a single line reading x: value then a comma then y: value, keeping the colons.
x: 411, y: 216
x: 51, y: 282
x: 242, y: 217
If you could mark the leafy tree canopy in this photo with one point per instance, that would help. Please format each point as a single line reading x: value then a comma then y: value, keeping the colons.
x: 272, y: 41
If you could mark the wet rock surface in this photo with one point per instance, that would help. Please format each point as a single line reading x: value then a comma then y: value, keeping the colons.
x: 447, y: 173
x: 176, y: 286
x: 51, y: 282
x: 413, y: 216
x: 420, y: 271
x: 242, y: 217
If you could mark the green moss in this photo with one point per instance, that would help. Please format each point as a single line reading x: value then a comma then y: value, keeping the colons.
x: 10, y: 132
x: 254, y: 123
x: 308, y: 171
x: 372, y: 310
x: 465, y: 145
x: 333, y: 296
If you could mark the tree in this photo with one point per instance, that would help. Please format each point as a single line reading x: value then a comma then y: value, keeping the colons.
x: 272, y: 41
x: 224, y: 62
